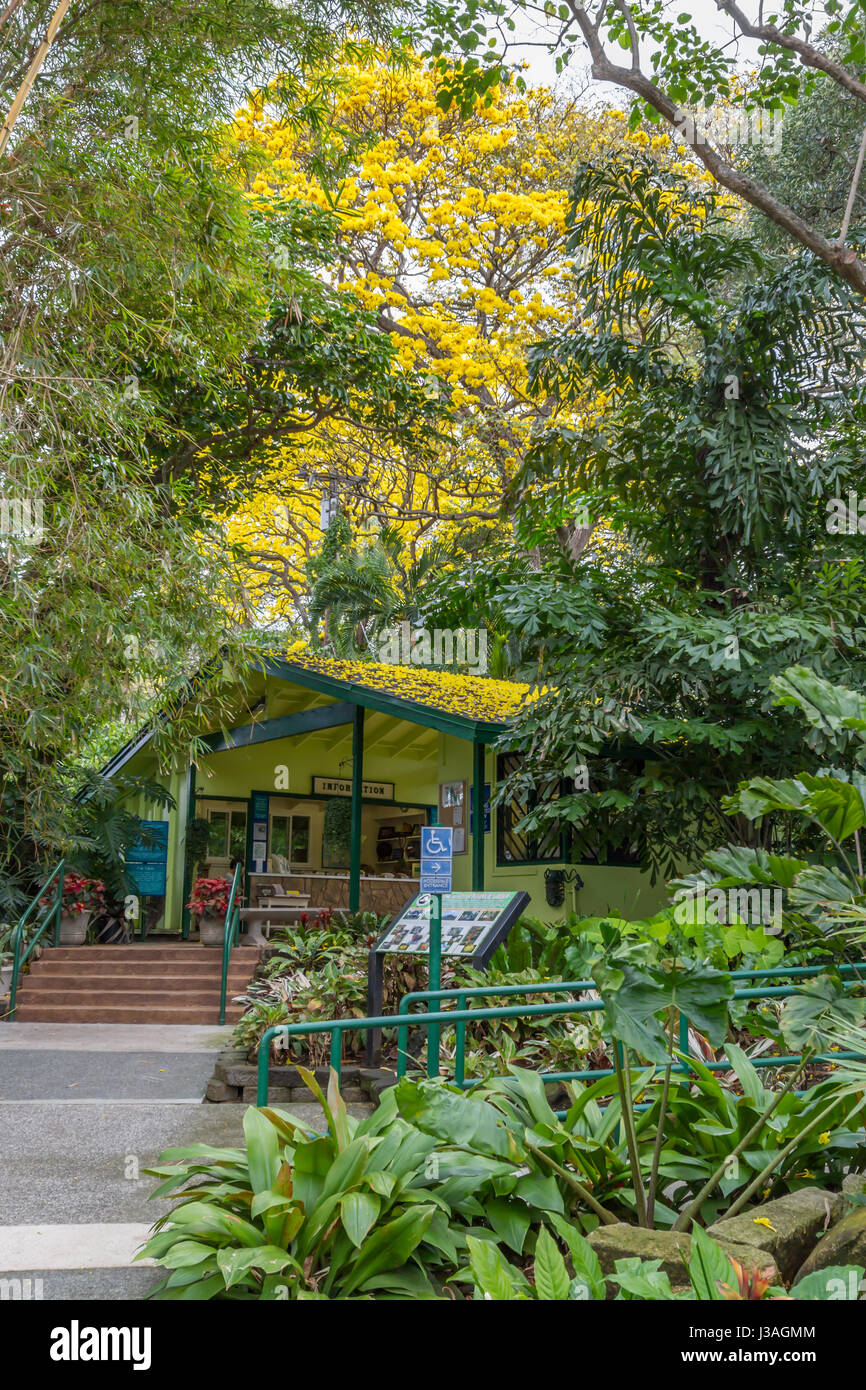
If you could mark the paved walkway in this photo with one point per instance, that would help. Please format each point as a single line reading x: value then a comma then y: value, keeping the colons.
x: 84, y: 1109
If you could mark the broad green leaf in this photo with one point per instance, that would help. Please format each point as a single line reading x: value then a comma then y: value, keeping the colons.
x: 389, y: 1246
x: 358, y: 1211
x: 491, y: 1271
x: 587, y: 1268
x: 207, y: 1219
x: 820, y: 1015
x: 509, y: 1219
x: 186, y: 1252
x: 551, y: 1276
x: 709, y: 1266
x: 456, y: 1119
x: 263, y: 1150
x: 632, y: 1007
x: 835, y: 1283
x: 237, y: 1263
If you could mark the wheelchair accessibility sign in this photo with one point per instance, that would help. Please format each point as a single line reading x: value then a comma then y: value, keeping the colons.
x: 436, y: 851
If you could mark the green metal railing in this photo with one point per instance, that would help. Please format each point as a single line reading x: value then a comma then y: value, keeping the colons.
x: 459, y: 1017
x: 230, y: 936
x: 51, y: 917
x: 460, y: 995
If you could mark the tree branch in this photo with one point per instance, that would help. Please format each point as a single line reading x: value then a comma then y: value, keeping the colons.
x: 841, y: 259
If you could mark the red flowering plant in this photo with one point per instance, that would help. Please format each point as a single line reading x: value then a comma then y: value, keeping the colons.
x: 79, y: 895
x: 210, y: 897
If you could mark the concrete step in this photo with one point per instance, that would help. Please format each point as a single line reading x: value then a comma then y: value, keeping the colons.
x: 133, y: 984
x: 106, y: 979
x: 190, y: 951
x: 113, y: 1013
x: 136, y: 992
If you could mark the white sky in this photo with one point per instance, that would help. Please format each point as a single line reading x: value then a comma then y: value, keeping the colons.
x: 708, y: 20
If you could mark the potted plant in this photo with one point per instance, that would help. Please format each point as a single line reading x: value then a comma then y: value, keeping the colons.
x: 80, y: 899
x: 209, y: 902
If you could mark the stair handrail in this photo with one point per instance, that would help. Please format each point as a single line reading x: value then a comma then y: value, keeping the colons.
x: 230, y: 936
x: 52, y: 915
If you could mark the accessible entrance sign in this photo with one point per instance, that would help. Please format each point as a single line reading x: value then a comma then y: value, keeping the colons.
x: 437, y: 850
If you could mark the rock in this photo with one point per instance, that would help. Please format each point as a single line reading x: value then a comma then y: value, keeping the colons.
x: 277, y: 1095
x: 374, y: 1080
x: 219, y: 1091
x: 226, y: 1059
x: 854, y: 1184
x: 843, y: 1244
x: 786, y: 1229
x: 624, y: 1242
x: 237, y: 1075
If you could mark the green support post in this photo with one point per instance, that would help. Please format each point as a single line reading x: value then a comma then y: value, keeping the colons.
x: 478, y: 818
x: 187, y: 866
x: 357, y: 806
x: 435, y: 979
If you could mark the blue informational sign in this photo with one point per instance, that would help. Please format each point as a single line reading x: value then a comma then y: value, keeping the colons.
x: 437, y: 848
x: 146, y: 860
x: 259, y: 837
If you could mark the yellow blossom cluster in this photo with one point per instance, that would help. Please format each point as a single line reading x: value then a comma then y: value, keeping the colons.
x: 474, y: 698
x: 454, y: 236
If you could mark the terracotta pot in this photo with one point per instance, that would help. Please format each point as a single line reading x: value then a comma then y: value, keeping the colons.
x: 211, y: 930
x: 73, y: 928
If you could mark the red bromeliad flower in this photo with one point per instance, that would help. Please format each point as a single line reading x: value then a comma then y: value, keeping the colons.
x: 752, y: 1284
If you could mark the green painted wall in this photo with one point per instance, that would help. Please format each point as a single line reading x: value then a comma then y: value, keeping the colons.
x: 627, y: 892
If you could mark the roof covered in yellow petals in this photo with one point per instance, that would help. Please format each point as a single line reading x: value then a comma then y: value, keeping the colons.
x: 469, y: 700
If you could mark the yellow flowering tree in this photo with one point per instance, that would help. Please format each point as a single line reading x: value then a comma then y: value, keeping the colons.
x: 454, y: 236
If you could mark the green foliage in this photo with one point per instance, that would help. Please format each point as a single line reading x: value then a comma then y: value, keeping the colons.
x: 105, y: 830
x: 296, y: 1215
x: 712, y: 1276
x: 160, y: 324
x: 711, y: 568
x: 419, y: 1194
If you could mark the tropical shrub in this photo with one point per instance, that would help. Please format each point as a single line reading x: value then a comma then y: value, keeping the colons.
x: 210, y: 897
x: 413, y: 1201
x: 360, y: 1212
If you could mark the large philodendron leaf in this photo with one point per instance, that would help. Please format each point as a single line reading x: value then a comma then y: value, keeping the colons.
x: 764, y: 794
x: 822, y: 1015
x: 835, y: 805
x: 834, y: 802
x: 827, y: 707
x: 818, y: 889
x: 740, y: 864
x: 635, y: 997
